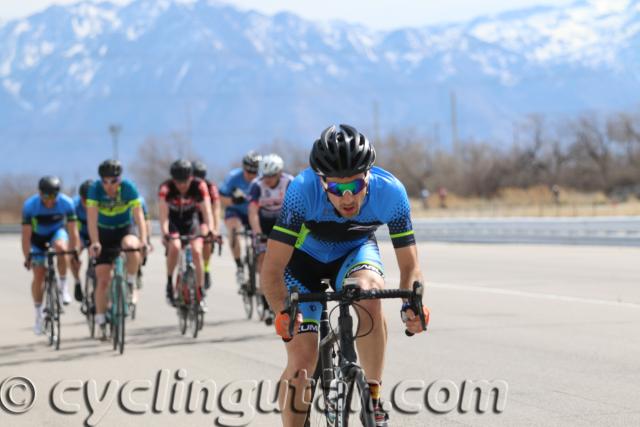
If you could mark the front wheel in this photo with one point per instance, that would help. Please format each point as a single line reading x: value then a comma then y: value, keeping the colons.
x: 358, y: 404
x: 89, y: 303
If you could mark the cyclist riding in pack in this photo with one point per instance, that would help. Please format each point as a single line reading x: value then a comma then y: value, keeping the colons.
x: 234, y: 195
x: 80, y: 207
x: 266, y: 195
x: 43, y: 223
x: 200, y: 171
x: 326, y: 230
x: 113, y: 206
x: 179, y: 198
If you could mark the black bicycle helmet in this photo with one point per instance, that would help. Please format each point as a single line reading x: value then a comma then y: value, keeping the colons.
x: 341, y: 153
x: 199, y: 169
x: 49, y: 185
x: 251, y: 161
x: 110, y: 168
x: 84, y: 188
x: 181, y: 170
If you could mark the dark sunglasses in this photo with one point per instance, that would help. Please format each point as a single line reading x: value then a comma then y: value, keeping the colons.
x: 49, y: 196
x: 110, y: 180
x: 339, y: 188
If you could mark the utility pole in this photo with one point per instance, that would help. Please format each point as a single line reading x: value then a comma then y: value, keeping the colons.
x: 114, y: 130
x: 454, y: 121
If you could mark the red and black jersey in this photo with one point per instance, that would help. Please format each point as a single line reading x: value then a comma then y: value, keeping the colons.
x: 182, y: 208
x: 213, y: 191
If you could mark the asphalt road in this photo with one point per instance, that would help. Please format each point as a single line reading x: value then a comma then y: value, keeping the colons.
x: 559, y: 326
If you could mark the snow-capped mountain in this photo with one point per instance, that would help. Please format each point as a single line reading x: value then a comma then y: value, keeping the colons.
x: 233, y: 79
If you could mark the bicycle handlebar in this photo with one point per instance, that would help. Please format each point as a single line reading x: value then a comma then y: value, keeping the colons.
x: 352, y: 293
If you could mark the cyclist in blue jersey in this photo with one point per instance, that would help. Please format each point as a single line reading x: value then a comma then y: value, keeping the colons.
x: 113, y: 206
x: 234, y: 195
x: 326, y: 230
x: 80, y: 207
x: 44, y: 216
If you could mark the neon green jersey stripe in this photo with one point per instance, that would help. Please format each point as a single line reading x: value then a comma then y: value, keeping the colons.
x: 406, y: 233
x: 285, y: 231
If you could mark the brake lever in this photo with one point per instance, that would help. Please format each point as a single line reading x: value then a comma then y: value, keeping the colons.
x: 416, y: 305
x: 292, y: 308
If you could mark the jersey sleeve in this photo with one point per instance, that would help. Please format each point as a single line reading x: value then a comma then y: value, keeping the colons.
x: 27, y: 214
x: 163, y: 191
x: 69, y: 209
x: 398, y: 218
x: 254, y: 192
x: 226, y: 187
x: 203, y: 190
x: 292, y: 215
x: 130, y: 194
x: 92, y: 194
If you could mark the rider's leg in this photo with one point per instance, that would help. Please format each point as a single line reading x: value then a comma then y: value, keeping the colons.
x: 103, y: 277
x: 60, y: 245
x: 37, y: 293
x: 173, y: 249
x: 134, y: 260
x: 206, y: 255
x: 302, y: 355
x: 234, y: 224
x: 196, y: 246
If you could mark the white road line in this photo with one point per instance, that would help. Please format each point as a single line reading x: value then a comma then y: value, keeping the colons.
x: 537, y: 295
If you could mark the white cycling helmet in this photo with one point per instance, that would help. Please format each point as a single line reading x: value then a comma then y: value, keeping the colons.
x: 271, y: 165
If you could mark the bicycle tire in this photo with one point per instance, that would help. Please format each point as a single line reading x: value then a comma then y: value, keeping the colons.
x: 115, y: 291
x: 193, y: 304
x: 89, y: 302
x: 260, y: 306
x: 365, y: 415
x: 121, y: 317
x: 247, y: 301
x: 56, y: 317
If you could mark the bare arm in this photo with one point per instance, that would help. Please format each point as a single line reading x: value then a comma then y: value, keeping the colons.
x: 205, y: 208
x: 92, y: 223
x: 163, y: 210
x: 272, y: 275
x: 138, y: 216
x: 408, y: 264
x: 254, y: 219
x: 74, y: 237
x: 409, y: 272
x: 26, y: 240
x: 217, y: 210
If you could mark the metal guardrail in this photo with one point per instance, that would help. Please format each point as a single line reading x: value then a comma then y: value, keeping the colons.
x: 612, y: 231
x: 615, y: 231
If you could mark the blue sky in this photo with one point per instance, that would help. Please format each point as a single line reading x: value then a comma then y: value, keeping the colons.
x: 379, y: 14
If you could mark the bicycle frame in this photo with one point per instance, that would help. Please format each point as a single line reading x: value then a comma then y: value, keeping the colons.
x: 347, y: 372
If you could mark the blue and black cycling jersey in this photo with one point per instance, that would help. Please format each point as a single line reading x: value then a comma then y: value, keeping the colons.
x: 235, y: 179
x: 309, y: 221
x: 46, y: 221
x: 114, y: 212
x: 81, y: 217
